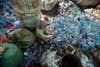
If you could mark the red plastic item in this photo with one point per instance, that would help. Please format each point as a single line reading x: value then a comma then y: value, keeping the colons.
x: 33, y: 50
x: 3, y: 39
x: 46, y: 17
x: 9, y: 25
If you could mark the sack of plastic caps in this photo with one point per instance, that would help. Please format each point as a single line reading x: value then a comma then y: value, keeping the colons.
x: 11, y: 56
x: 28, y: 11
x: 87, y: 3
x: 22, y: 37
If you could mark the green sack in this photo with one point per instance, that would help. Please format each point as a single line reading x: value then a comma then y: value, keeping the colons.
x: 12, y: 56
x: 22, y: 38
x: 42, y: 33
x: 28, y: 11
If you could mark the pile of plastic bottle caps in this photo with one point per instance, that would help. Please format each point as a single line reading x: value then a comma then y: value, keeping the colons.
x: 74, y: 28
x: 8, y: 19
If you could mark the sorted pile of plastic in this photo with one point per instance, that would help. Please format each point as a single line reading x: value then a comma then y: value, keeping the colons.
x: 70, y: 32
x: 76, y: 26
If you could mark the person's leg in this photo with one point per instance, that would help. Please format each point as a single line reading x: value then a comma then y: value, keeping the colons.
x: 71, y: 61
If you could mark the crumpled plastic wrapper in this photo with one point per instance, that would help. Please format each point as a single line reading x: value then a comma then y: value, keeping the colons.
x: 48, y: 4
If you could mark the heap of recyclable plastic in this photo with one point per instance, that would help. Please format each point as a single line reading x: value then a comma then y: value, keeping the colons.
x: 74, y: 28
